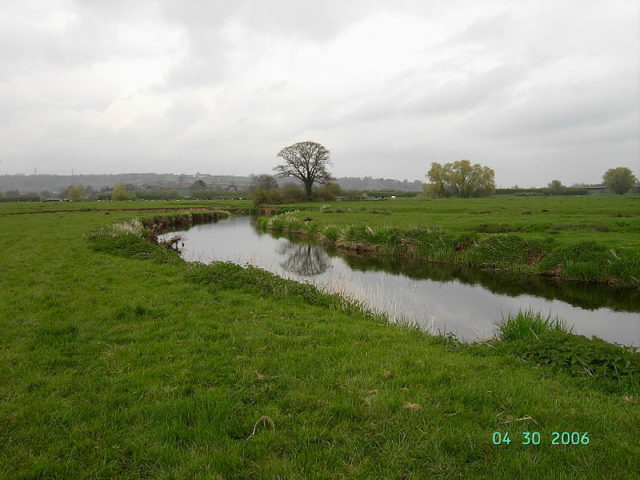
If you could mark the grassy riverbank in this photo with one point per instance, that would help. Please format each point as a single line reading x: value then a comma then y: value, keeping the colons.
x: 586, y: 238
x: 118, y: 360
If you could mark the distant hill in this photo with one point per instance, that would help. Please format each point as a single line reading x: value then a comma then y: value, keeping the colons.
x: 36, y: 184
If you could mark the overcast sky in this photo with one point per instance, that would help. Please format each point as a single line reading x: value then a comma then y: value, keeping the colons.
x: 535, y: 90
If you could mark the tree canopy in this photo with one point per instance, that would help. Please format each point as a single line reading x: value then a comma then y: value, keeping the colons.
x: 306, y: 161
x: 460, y: 179
x: 120, y: 192
x: 198, y: 185
x: 76, y: 193
x: 556, y: 187
x: 619, y: 180
x: 266, y: 182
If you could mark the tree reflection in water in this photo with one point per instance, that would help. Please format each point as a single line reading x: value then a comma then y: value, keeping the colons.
x: 304, y: 260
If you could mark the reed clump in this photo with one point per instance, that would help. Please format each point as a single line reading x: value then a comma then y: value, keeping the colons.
x: 529, y: 324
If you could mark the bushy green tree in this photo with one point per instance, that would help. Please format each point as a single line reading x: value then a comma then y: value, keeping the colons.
x: 76, y: 193
x: 619, y: 180
x: 460, y: 179
x: 556, y: 187
x: 120, y: 192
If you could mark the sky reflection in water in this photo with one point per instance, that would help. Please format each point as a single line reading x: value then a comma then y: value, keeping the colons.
x: 465, y: 302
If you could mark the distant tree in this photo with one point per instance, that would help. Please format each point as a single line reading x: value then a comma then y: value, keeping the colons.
x: 158, y: 194
x: 198, y: 185
x: 556, y: 187
x: 619, y: 180
x: 327, y: 192
x: 460, y: 179
x: 260, y: 196
x: 90, y: 192
x: 120, y: 192
x: 306, y: 161
x: 290, y: 192
x: 76, y: 193
x: 265, y: 182
x: 355, y: 195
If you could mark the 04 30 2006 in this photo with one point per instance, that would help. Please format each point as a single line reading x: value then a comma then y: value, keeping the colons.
x: 537, y: 438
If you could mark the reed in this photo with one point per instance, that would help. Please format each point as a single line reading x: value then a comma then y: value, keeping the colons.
x: 528, y: 324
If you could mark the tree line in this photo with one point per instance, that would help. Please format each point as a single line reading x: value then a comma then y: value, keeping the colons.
x: 308, y: 163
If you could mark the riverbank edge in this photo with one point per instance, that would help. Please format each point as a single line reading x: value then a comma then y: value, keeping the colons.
x: 583, y: 261
x: 609, y: 367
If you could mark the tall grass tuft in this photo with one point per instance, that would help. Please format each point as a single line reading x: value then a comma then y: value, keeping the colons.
x: 529, y: 324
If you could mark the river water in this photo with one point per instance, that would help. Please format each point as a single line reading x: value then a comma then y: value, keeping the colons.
x: 466, y: 302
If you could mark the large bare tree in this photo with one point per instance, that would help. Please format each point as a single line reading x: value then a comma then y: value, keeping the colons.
x: 306, y: 161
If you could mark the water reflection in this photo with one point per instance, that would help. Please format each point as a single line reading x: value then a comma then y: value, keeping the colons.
x: 304, y: 260
x: 581, y: 294
x: 465, y: 301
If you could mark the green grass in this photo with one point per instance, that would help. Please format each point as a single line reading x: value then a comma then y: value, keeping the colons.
x: 548, y: 342
x: 147, y: 367
x: 595, y: 238
x: 528, y: 324
x: 611, y: 220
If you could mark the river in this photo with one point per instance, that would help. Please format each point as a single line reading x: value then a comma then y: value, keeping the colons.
x: 466, y: 302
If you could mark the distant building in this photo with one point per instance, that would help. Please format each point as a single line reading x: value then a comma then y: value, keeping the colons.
x: 596, y: 189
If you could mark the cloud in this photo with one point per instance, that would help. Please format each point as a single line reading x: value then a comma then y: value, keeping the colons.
x: 544, y: 89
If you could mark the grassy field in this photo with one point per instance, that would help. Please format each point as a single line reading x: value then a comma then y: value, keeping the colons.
x: 592, y: 238
x: 612, y: 220
x: 118, y: 360
x: 138, y: 206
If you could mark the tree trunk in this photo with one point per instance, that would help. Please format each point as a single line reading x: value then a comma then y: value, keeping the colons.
x: 307, y: 189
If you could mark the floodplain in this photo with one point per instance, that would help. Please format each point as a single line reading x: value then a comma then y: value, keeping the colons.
x: 119, y: 359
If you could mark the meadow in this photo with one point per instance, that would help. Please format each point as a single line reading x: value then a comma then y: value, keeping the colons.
x: 592, y: 238
x: 119, y: 360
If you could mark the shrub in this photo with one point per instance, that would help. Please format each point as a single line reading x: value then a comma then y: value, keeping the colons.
x: 326, y: 192
x: 260, y: 196
x: 290, y: 192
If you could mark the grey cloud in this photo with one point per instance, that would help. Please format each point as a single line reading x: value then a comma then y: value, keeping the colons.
x: 489, y: 29
x: 88, y: 33
x: 453, y: 97
x: 167, y: 85
x: 469, y: 94
x: 316, y: 21
x: 554, y: 109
